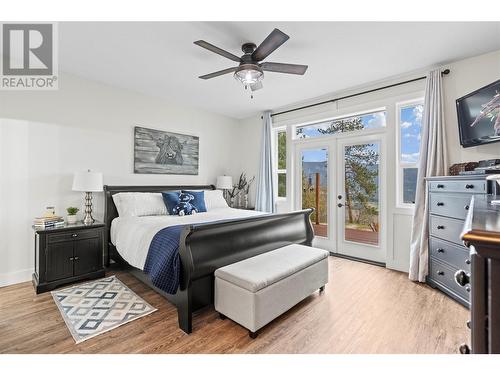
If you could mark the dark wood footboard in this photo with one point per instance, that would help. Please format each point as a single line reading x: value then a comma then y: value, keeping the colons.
x: 206, y: 247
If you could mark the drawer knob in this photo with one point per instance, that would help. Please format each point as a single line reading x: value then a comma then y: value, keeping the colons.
x: 467, y: 288
x: 440, y: 227
x: 464, y: 349
x: 469, y: 186
x: 467, y: 261
x: 440, y: 203
x: 440, y: 186
x: 468, y: 324
x: 462, y: 278
x: 466, y: 208
x: 71, y: 259
x: 440, y: 273
x: 77, y: 258
x: 74, y: 235
x: 439, y: 250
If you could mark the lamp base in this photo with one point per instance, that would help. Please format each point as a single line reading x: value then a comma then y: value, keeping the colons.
x: 88, y: 219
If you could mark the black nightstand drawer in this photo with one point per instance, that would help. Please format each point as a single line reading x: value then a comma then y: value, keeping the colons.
x: 73, y: 235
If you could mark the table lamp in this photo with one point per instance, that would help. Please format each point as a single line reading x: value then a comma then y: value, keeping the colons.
x: 87, y: 182
x: 224, y: 183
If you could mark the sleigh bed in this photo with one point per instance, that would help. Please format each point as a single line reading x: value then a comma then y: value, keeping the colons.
x: 204, y: 247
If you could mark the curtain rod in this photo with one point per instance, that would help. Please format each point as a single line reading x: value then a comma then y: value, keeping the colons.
x: 444, y: 72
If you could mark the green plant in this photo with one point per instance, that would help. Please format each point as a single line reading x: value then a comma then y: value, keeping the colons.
x: 72, y: 210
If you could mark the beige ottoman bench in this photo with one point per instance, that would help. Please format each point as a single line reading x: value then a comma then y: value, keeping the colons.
x: 257, y: 290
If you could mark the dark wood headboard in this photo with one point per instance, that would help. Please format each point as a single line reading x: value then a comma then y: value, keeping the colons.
x: 111, y: 213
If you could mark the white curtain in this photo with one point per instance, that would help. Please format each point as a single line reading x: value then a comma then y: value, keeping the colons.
x: 265, y: 199
x: 433, y: 162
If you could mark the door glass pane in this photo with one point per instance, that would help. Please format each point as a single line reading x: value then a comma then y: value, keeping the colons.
x: 282, y: 185
x: 409, y: 184
x: 315, y: 188
x: 362, y: 193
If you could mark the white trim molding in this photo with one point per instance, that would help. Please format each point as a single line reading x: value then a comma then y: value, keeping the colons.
x: 16, y: 277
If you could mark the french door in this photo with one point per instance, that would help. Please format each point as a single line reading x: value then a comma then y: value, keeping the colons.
x: 343, y: 179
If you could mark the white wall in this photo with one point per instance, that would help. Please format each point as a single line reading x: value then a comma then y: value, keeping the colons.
x: 466, y: 76
x: 46, y: 136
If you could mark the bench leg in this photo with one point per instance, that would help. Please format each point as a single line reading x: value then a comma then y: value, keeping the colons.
x: 222, y: 316
x: 322, y: 289
x: 252, y: 335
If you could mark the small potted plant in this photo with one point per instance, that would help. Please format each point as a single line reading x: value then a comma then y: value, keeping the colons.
x: 72, y: 211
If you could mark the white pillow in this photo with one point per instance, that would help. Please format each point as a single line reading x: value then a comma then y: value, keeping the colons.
x: 139, y: 204
x: 214, y: 199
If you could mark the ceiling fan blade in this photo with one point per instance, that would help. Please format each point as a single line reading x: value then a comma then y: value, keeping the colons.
x: 256, y: 86
x: 284, y: 68
x: 217, y: 50
x: 219, y: 73
x: 273, y: 41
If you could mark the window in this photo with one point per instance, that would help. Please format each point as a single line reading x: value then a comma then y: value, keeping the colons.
x: 371, y: 120
x: 281, y: 161
x: 410, y: 127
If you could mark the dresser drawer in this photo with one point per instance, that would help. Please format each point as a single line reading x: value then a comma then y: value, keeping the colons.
x: 76, y: 235
x: 455, y: 256
x: 444, y: 275
x: 452, y: 205
x: 462, y: 186
x: 446, y: 229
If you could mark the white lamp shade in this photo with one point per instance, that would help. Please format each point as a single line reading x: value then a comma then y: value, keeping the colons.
x: 87, y: 181
x: 224, y: 182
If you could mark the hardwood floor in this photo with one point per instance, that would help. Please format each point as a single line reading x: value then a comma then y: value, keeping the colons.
x: 365, y: 309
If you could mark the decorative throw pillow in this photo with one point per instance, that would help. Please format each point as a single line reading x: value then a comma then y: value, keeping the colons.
x: 171, y: 199
x: 199, y: 200
x: 214, y: 199
x: 139, y: 204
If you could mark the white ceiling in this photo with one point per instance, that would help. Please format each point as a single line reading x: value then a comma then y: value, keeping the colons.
x: 160, y: 58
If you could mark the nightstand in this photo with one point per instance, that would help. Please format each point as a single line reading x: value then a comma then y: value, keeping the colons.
x: 67, y: 254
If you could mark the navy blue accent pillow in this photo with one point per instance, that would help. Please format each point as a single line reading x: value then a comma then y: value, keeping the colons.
x: 199, y: 200
x: 171, y: 199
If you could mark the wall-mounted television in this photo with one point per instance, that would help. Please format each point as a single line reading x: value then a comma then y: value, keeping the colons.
x: 479, y: 116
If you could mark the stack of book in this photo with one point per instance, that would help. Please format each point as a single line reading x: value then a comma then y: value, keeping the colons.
x: 48, y: 222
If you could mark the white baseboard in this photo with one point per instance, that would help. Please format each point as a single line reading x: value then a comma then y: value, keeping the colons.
x: 15, y: 277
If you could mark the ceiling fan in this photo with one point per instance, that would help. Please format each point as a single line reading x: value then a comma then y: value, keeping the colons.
x: 250, y: 70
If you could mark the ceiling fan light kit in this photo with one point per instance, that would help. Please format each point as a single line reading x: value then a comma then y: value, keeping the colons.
x: 250, y: 71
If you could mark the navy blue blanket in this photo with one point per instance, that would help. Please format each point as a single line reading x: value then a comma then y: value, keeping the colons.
x: 163, y: 263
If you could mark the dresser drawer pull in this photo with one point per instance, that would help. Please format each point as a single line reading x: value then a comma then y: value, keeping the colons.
x: 467, y: 288
x: 469, y: 186
x: 462, y: 278
x: 464, y: 349
x: 440, y: 203
x: 439, y: 250
x: 74, y: 235
x: 467, y: 261
x: 77, y: 258
x: 466, y: 208
x: 440, y: 186
x: 440, y: 273
x: 468, y: 324
x: 440, y: 227
x: 71, y: 259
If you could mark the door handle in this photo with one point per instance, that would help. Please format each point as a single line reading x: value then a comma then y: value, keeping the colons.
x: 340, y: 205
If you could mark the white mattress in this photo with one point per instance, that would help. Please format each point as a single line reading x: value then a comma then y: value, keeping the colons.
x: 132, y: 235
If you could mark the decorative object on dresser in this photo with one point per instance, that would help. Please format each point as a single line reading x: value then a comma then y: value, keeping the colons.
x: 88, y: 182
x: 51, y: 221
x: 239, y: 193
x: 161, y: 152
x: 482, y: 234
x: 455, y: 169
x: 449, y: 203
x: 71, y: 218
x: 99, y: 306
x: 225, y: 183
x: 67, y: 254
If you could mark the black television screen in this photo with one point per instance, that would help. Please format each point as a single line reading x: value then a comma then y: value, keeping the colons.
x: 479, y: 116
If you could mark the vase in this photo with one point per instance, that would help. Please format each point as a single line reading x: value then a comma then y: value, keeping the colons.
x: 245, y: 201
x: 71, y: 219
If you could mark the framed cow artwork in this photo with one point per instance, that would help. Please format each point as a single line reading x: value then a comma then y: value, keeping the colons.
x: 162, y: 152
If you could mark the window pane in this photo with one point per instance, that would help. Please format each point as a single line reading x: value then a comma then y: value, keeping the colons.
x: 282, y: 150
x: 410, y: 128
x: 315, y: 188
x: 366, y: 121
x: 361, y: 183
x: 409, y: 184
x: 282, y: 185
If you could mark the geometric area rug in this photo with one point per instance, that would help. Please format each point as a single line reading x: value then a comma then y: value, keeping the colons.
x: 99, y: 306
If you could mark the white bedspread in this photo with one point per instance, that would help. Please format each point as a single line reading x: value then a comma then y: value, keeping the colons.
x: 132, y: 235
